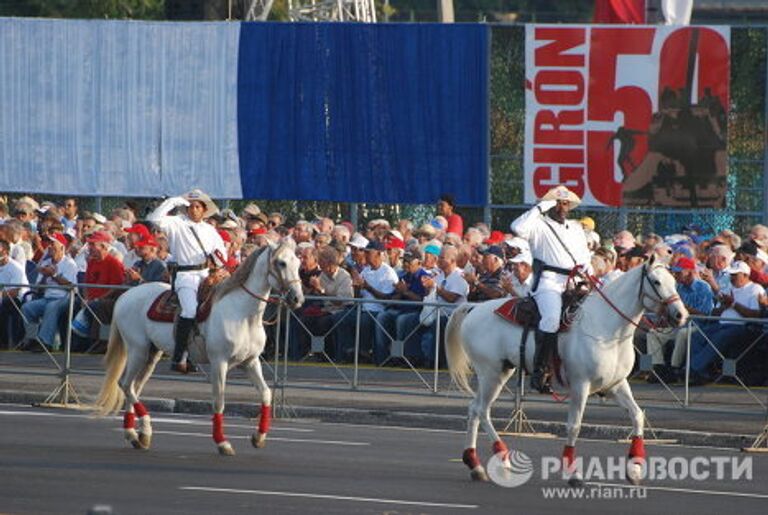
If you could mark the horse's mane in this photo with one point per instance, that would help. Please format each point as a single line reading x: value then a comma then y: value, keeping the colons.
x: 239, y: 276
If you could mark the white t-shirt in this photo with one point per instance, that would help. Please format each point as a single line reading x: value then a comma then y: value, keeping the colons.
x: 383, y: 279
x: 13, y: 273
x: 67, y: 268
x: 454, y: 283
x: 19, y: 254
x: 747, y: 296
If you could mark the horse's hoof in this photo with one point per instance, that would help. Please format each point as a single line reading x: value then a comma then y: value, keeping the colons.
x: 576, y: 482
x: 226, y: 449
x: 145, y: 440
x: 634, y: 474
x: 259, y: 440
x: 479, y: 474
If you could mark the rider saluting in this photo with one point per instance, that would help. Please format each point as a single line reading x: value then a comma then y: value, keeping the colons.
x: 196, y: 247
x: 558, y: 246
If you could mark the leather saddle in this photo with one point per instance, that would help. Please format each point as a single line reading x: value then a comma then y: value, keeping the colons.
x: 166, y: 306
x: 525, y: 313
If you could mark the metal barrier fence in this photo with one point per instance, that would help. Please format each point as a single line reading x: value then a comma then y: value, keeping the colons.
x: 371, y: 336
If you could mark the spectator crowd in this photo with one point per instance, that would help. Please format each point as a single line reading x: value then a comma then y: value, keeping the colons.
x: 398, y: 270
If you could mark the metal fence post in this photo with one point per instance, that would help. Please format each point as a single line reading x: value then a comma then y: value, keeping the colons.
x: 688, y: 363
x: 358, y: 312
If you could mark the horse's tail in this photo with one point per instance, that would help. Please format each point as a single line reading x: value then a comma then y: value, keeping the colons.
x: 458, y: 361
x: 111, y: 396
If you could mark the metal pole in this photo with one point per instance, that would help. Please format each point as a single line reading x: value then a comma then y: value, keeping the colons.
x: 68, y: 346
x: 765, y: 147
x: 688, y: 362
x: 358, y: 309
x: 353, y: 215
x: 437, y: 348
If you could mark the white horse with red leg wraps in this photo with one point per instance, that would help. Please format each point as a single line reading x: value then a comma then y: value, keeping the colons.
x: 233, y: 336
x: 597, y: 356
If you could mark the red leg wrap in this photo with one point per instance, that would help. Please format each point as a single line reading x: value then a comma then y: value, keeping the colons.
x: 569, y: 456
x: 637, y: 449
x: 266, y: 419
x: 218, y: 427
x: 129, y: 420
x: 140, y: 409
x: 470, y: 458
x: 499, y: 446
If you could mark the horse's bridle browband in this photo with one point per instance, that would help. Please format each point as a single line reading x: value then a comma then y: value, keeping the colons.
x: 271, y: 272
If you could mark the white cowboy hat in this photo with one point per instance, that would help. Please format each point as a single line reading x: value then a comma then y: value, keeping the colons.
x: 562, y: 193
x: 200, y: 196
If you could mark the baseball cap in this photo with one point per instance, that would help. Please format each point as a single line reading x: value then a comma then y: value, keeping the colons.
x: 57, y: 236
x: 257, y: 231
x: 411, y: 255
x: 99, y: 237
x: 225, y: 235
x: 523, y: 257
x: 494, y: 250
x: 683, y: 263
x: 738, y: 267
x: 358, y: 241
x: 375, y: 245
x: 761, y: 255
x: 394, y: 243
x: 149, y: 241
x: 518, y: 243
x: 139, y: 229
x: 432, y: 249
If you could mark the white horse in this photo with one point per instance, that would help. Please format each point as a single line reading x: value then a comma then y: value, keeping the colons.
x: 233, y: 335
x: 597, y: 356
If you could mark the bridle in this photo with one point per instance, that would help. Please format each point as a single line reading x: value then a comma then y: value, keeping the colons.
x: 283, y: 285
x: 659, y: 300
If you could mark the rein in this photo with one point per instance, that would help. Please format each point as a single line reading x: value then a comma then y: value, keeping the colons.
x: 647, y: 324
x: 271, y: 272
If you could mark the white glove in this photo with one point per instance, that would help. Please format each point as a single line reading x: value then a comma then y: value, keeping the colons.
x: 546, y: 205
x: 180, y: 201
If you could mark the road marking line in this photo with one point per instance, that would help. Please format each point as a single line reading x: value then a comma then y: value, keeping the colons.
x: 241, y: 426
x: 332, y: 497
x: 685, y: 490
x: 271, y: 438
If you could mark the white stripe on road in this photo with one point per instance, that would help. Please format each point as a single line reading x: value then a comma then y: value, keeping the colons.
x: 271, y: 438
x: 331, y: 497
x: 684, y: 490
x: 241, y: 426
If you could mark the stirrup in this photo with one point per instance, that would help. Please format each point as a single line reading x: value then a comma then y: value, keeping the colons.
x: 184, y: 368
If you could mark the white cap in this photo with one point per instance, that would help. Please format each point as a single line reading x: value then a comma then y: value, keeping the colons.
x: 518, y: 243
x: 397, y: 234
x: 523, y: 257
x: 762, y: 256
x: 738, y: 267
x: 358, y: 241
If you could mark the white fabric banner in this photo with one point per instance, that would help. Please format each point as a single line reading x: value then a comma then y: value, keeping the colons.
x: 118, y: 107
x: 677, y: 12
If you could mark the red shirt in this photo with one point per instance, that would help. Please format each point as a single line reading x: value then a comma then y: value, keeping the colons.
x: 455, y: 224
x: 103, y: 271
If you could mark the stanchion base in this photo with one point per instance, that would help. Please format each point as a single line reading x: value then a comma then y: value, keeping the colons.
x: 760, y: 445
x: 64, y: 395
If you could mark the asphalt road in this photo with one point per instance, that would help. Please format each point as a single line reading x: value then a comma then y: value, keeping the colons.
x: 67, y: 462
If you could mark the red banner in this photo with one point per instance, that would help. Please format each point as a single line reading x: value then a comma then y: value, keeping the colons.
x: 628, y: 115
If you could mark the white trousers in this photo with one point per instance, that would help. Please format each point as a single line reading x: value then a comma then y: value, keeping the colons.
x: 656, y: 341
x: 549, y: 299
x: 187, y: 284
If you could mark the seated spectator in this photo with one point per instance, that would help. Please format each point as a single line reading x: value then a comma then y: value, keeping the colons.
x: 698, y: 299
x: 149, y: 268
x: 11, y: 272
x: 102, y: 269
x: 487, y: 285
x: 741, y: 302
x: 309, y: 272
x: 450, y: 288
x: 55, y: 269
x: 376, y: 281
x: 520, y: 282
x: 399, y: 321
x: 716, y: 273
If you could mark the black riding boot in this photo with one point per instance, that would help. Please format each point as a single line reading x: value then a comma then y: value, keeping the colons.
x: 183, y: 329
x: 545, y: 346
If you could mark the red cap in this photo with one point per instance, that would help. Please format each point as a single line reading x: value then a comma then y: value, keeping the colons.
x: 495, y: 238
x: 58, y: 237
x: 684, y: 263
x: 395, y: 243
x: 256, y: 231
x: 225, y: 236
x: 99, y: 237
x: 149, y: 241
x: 139, y: 229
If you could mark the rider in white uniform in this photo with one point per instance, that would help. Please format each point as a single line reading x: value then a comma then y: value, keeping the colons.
x: 196, y: 247
x: 558, y: 245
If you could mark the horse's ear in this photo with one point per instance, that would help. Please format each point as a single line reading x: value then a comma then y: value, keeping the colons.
x: 652, y: 259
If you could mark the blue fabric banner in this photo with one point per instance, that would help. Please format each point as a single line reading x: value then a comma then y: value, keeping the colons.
x: 383, y: 113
